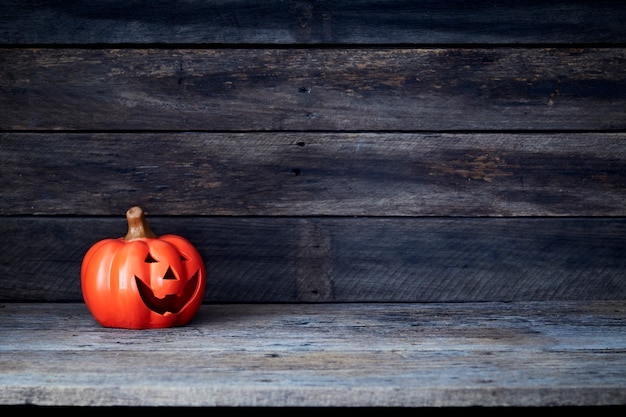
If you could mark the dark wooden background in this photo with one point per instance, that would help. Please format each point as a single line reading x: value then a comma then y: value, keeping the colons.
x: 320, y: 151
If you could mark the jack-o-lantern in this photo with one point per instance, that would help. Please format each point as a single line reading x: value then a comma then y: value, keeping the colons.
x: 142, y: 281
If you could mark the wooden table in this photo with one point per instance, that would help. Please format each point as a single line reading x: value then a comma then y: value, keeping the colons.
x: 400, y: 355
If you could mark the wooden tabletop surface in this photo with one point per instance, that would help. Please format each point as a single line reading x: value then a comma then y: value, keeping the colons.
x: 362, y: 354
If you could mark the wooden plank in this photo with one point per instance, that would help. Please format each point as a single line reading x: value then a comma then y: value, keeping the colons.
x: 352, y: 355
x: 314, y: 89
x: 312, y: 259
x: 311, y: 22
x: 305, y: 174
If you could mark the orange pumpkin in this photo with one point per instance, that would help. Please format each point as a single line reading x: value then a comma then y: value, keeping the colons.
x: 142, y: 281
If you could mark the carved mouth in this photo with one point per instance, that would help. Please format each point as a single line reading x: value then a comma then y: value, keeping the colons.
x: 171, y: 303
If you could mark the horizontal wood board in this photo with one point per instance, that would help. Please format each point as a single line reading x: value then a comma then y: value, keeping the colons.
x: 345, y: 355
x: 292, y: 259
x: 359, y: 89
x: 312, y: 22
x: 314, y: 174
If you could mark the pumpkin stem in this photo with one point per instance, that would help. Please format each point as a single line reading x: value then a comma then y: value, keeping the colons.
x: 137, y: 224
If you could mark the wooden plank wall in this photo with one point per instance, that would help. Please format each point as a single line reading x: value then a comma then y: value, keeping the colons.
x: 320, y: 151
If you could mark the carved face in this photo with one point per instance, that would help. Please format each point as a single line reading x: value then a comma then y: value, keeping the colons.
x: 143, y: 283
x: 167, y: 281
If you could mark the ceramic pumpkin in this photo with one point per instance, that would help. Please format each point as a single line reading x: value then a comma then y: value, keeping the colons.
x: 142, y: 280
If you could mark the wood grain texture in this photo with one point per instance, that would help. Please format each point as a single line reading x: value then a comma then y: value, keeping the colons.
x: 314, y: 89
x: 311, y: 22
x: 294, y: 259
x: 314, y: 174
x: 403, y: 355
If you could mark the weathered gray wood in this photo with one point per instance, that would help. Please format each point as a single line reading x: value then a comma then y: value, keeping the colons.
x: 342, y: 259
x: 314, y: 89
x: 311, y: 22
x: 305, y: 174
x: 470, y: 354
